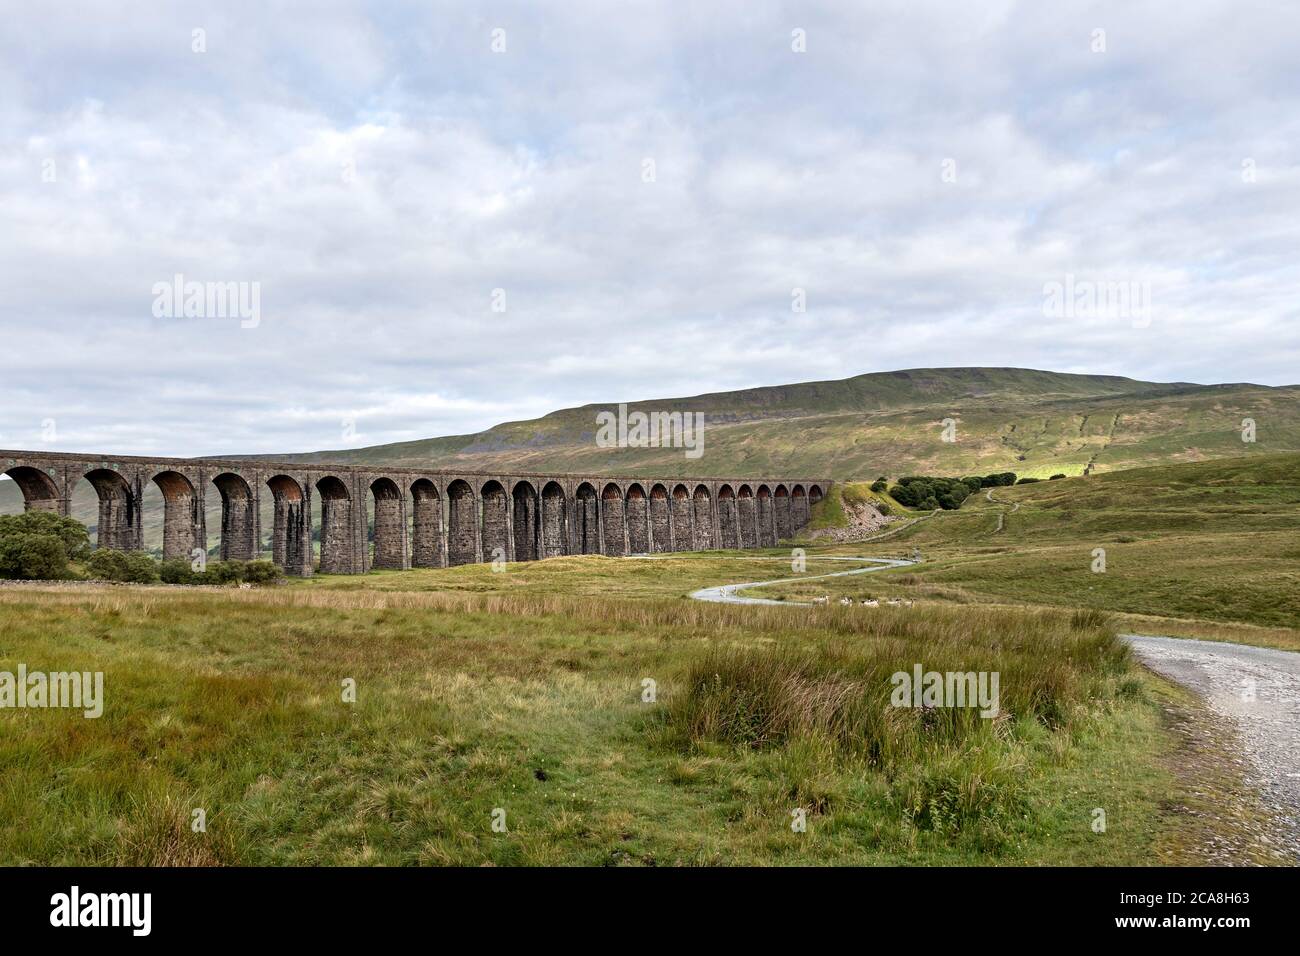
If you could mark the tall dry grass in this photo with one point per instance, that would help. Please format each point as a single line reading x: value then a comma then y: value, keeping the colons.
x: 1050, y: 665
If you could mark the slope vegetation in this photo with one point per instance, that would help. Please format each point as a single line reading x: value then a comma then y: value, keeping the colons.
x: 1032, y: 422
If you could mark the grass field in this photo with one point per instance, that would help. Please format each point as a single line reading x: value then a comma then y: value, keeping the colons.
x: 531, y: 702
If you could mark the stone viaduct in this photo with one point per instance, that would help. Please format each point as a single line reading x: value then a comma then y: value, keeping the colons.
x: 421, y: 518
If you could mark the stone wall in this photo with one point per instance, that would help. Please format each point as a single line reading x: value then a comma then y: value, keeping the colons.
x: 611, y: 520
x: 390, y: 525
x: 703, y: 519
x: 587, y: 521
x: 426, y: 530
x: 728, y: 521
x: 526, y: 522
x: 638, y: 521
x: 683, y: 519
x: 495, y: 523
x: 462, y: 531
x: 555, y: 523
x: 660, y: 523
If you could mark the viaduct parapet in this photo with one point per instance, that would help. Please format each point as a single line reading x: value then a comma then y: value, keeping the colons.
x: 421, y: 518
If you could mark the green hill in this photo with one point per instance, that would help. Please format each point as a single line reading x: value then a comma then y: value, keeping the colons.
x: 1032, y: 422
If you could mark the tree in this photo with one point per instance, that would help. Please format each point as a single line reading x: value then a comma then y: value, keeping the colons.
x: 72, y: 534
x: 33, y: 557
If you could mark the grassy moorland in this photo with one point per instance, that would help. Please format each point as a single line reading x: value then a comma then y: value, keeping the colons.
x: 1216, y: 544
x: 532, y: 702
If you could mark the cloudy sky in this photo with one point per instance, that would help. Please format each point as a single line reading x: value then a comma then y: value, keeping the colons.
x: 458, y: 214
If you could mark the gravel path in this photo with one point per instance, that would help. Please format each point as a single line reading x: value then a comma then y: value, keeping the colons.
x: 1257, y: 690
x: 726, y: 593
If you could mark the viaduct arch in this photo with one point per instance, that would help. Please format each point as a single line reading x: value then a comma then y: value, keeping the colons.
x: 396, y: 518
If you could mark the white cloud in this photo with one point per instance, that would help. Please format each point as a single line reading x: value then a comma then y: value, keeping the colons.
x: 379, y: 171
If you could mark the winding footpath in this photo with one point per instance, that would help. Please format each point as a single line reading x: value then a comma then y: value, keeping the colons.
x: 1256, y: 690
x: 726, y: 593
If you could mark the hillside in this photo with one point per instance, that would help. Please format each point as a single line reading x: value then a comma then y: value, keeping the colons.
x: 1211, y: 541
x: 1032, y: 422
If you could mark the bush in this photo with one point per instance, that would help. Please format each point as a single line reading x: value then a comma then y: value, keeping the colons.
x: 879, y: 485
x: 33, y: 557
x: 1055, y: 477
x: 1000, y: 480
x: 916, y: 491
x: 261, y: 572
x: 37, y: 545
x: 225, y: 572
x: 1028, y: 481
x: 177, y: 571
x: 133, y: 566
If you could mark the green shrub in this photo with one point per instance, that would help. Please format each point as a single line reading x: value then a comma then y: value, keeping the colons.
x: 879, y: 485
x: 1056, y: 477
x: 35, y: 557
x: 132, y: 566
x: 37, y: 545
x: 177, y: 571
x: 1028, y: 481
x: 261, y: 572
x: 918, y: 491
x: 225, y: 572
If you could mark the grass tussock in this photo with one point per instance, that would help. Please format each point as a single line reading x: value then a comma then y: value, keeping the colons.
x: 1049, y: 665
x: 947, y: 770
